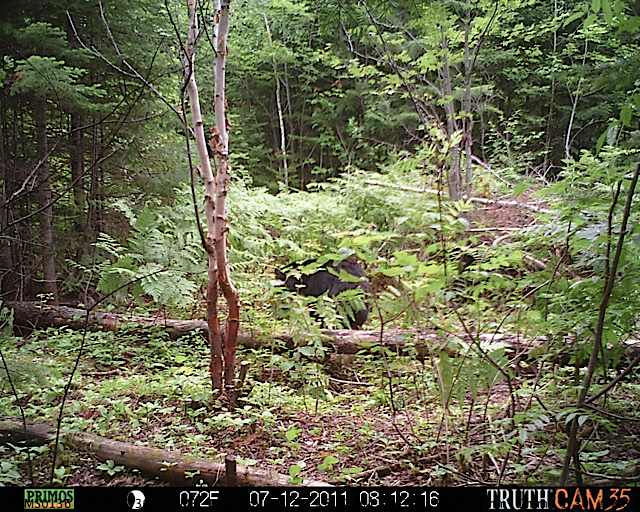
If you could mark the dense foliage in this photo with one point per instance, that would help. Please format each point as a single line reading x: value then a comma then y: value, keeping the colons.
x: 315, y: 89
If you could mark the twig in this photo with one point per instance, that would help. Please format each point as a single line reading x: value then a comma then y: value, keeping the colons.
x: 624, y: 372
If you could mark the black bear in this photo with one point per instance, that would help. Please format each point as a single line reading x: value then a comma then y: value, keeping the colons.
x: 321, y: 280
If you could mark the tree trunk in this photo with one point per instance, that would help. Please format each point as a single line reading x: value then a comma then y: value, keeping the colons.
x: 33, y: 315
x: 46, y: 215
x: 7, y: 272
x: 552, y: 97
x: 95, y: 192
x: 468, y: 119
x: 76, y: 157
x: 216, y: 190
x: 223, y: 169
x: 575, y: 98
x: 283, y: 144
x: 209, y: 203
x: 454, y: 178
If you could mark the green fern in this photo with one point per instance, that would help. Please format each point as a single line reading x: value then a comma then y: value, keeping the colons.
x: 163, y: 260
x: 26, y: 373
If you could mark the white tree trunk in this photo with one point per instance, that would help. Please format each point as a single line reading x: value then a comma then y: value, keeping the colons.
x: 216, y: 189
x: 223, y: 170
x: 283, y: 142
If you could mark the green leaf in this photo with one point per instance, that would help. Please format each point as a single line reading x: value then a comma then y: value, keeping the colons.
x: 404, y: 259
x: 523, y: 434
x: 626, y: 114
x: 292, y: 433
x: 595, y: 5
x: 617, y: 7
x: 307, y: 351
x: 327, y: 463
x: 285, y: 366
x: 612, y: 133
x: 519, y: 189
x: 570, y: 417
x: 572, y: 18
x: 345, y: 276
x: 589, y: 21
x: 391, y: 272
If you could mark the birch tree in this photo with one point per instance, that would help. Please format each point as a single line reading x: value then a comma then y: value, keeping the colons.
x: 223, y: 351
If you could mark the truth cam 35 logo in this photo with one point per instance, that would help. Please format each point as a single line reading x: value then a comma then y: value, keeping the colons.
x: 570, y: 499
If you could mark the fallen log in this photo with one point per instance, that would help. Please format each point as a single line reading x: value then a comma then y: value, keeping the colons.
x: 169, y: 466
x: 37, y: 316
x: 481, y: 200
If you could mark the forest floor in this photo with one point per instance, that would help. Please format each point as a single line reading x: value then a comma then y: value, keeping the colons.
x: 351, y: 440
x: 359, y: 420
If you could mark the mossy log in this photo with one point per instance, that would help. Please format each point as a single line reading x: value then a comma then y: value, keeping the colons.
x: 170, y: 466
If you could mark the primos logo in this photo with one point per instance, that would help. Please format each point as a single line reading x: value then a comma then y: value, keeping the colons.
x: 48, y: 498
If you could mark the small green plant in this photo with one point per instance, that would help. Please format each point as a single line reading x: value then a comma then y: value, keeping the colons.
x: 62, y: 474
x: 110, y: 467
x: 189, y: 475
x: 294, y: 471
x: 290, y: 435
x: 8, y: 473
x: 328, y: 463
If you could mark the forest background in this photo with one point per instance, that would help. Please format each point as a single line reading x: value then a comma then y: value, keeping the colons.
x: 333, y: 107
